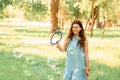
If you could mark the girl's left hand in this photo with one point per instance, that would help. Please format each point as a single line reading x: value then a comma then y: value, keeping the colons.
x: 87, y: 72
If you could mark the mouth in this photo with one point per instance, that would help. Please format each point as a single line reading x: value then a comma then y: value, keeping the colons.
x: 75, y: 31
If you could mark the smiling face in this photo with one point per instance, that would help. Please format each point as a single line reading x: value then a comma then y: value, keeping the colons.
x: 76, y: 29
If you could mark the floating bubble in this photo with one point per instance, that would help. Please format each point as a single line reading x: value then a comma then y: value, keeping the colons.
x: 10, y: 46
x: 13, y: 68
x: 27, y: 73
x: 52, y: 65
x: 30, y: 60
x: 15, y: 50
x: 57, y: 71
x: 17, y: 54
x: 101, y: 73
x: 51, y: 62
x: 50, y: 77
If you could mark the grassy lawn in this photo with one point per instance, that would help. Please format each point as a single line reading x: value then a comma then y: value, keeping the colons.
x: 26, y: 54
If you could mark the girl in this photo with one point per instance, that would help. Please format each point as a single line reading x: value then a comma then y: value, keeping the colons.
x: 76, y: 46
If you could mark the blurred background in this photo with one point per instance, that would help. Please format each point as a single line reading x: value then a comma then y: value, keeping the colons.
x: 26, y: 27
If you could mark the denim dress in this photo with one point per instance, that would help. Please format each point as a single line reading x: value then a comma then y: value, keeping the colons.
x: 75, y: 62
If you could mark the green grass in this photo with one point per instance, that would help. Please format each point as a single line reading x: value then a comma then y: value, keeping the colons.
x: 25, y: 54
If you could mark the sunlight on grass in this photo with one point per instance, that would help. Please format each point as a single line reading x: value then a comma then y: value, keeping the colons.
x: 52, y: 53
x: 103, y: 51
x: 108, y: 59
x: 6, y: 30
x: 28, y: 52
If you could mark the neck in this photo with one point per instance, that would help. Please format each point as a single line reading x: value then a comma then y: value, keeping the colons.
x: 76, y: 35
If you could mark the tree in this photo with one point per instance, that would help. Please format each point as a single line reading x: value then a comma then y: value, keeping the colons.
x: 63, y: 11
x: 3, y: 4
x: 74, y: 9
x: 34, y: 10
x: 94, y: 16
x: 54, y: 15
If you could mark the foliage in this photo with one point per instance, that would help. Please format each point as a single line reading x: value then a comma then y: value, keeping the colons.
x: 111, y: 9
x: 82, y: 9
x: 34, y: 11
x: 79, y: 8
x: 74, y: 9
x: 37, y: 10
x: 24, y: 56
x: 3, y: 4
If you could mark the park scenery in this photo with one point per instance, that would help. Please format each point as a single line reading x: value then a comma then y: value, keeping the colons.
x: 27, y: 25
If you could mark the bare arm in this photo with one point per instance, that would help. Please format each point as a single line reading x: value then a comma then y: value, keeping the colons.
x: 87, y: 57
x: 63, y: 48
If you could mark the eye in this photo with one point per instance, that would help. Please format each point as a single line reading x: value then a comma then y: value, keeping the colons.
x: 76, y: 27
x: 73, y: 27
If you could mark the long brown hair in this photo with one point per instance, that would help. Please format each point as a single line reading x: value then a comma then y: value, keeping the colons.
x: 81, y: 33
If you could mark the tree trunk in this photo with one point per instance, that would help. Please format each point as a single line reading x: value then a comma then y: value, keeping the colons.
x: 107, y: 17
x: 94, y: 16
x: 87, y: 23
x: 98, y: 24
x: 103, y: 30
x: 54, y: 15
x: 106, y: 21
x: 91, y: 28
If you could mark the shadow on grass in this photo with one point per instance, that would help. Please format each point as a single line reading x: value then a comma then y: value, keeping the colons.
x: 40, y: 33
x: 109, y: 33
x: 101, y: 71
x: 28, y: 32
x: 31, y: 31
x: 2, y: 44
